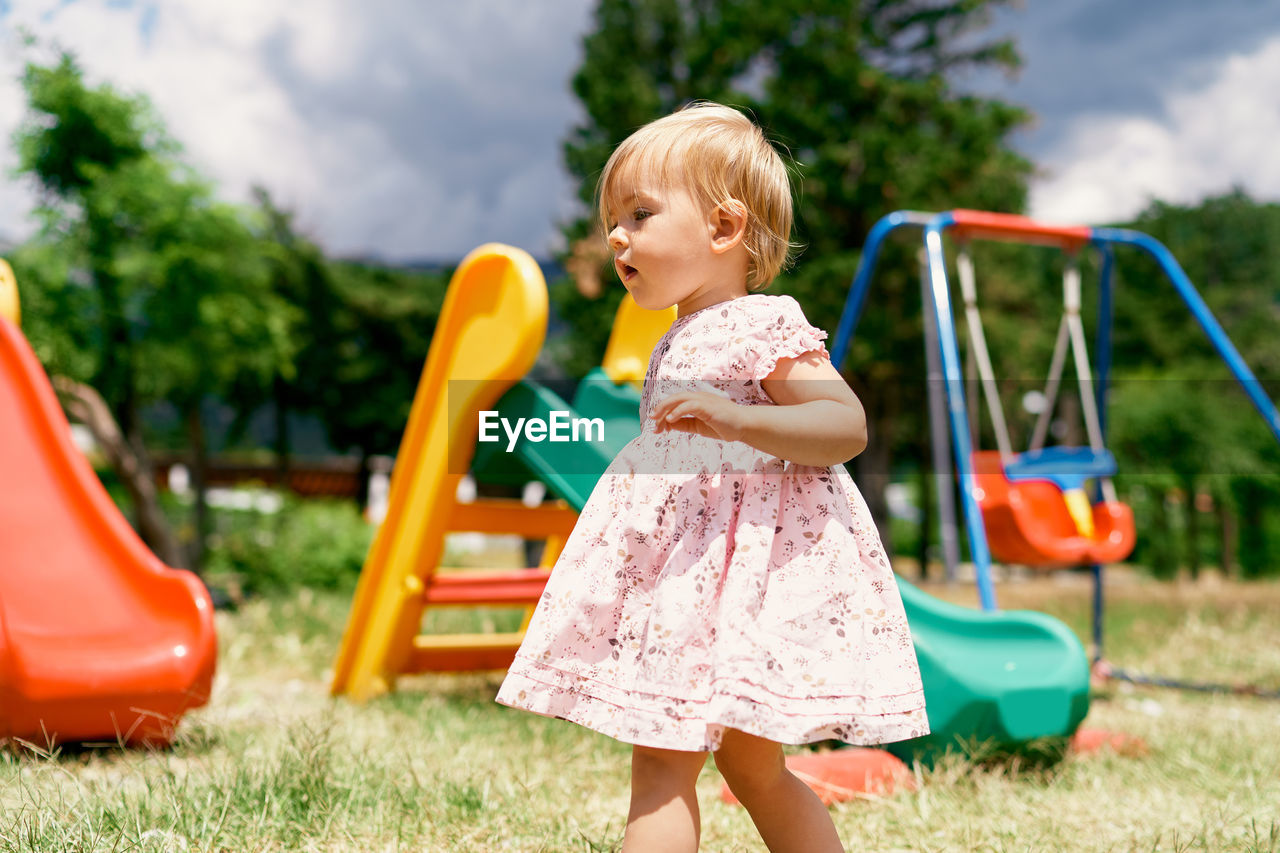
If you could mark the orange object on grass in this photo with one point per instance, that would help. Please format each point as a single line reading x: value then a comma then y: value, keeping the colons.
x: 1028, y: 521
x: 1097, y: 740
x: 98, y: 639
x: 846, y: 774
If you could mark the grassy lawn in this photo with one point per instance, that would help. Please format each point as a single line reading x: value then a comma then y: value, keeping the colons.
x: 274, y: 764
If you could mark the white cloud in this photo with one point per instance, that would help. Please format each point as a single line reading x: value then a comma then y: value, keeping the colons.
x: 1210, y: 138
x: 200, y: 72
x: 391, y: 127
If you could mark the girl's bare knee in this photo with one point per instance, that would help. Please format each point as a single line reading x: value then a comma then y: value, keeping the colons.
x: 667, y: 767
x: 749, y: 764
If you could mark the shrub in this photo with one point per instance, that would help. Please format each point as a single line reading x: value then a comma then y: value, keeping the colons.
x: 313, y: 543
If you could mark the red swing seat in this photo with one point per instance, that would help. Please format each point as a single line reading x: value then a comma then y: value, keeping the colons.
x: 1027, y: 521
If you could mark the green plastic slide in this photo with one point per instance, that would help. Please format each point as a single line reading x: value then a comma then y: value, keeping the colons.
x: 1000, y: 678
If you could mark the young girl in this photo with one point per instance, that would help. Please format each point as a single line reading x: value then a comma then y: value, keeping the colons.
x: 725, y: 590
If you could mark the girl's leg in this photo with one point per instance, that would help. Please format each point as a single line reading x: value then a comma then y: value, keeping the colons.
x: 664, y: 805
x: 789, y: 816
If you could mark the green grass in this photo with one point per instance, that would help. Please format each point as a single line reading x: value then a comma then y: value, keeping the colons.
x: 274, y: 764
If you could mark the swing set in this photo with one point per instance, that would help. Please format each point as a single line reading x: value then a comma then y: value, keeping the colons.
x: 1032, y: 507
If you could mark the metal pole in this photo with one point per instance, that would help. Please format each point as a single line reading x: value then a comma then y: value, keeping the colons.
x: 1106, y: 312
x: 943, y: 483
x: 956, y: 406
x: 861, y: 283
x: 1218, y: 337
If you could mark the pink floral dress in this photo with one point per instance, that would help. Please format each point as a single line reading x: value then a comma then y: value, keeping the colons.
x: 708, y: 585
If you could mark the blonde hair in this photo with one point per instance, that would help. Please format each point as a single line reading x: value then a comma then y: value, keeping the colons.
x: 717, y: 154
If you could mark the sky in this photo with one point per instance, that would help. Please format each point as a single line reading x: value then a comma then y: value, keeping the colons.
x: 418, y: 129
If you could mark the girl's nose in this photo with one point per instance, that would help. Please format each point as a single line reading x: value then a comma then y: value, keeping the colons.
x: 617, y: 238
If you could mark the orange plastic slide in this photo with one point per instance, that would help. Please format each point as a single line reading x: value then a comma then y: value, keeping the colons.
x: 98, y: 639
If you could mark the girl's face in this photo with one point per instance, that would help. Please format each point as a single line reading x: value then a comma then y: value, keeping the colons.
x: 665, y: 252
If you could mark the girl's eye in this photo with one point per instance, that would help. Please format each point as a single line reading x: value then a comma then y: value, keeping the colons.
x: 641, y: 214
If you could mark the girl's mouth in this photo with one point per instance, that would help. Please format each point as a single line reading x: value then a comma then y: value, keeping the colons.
x: 626, y: 272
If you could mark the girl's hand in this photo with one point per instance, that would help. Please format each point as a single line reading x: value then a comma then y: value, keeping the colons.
x: 700, y: 413
x: 816, y: 418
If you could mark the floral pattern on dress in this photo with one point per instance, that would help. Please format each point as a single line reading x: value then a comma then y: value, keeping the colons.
x: 709, y: 585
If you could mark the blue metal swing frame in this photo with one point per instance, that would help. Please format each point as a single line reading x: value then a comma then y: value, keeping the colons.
x: 936, y: 293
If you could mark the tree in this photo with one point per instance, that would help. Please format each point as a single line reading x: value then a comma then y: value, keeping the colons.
x: 300, y: 276
x: 173, y: 285
x: 861, y: 94
x: 1192, y: 421
x: 381, y: 336
x: 73, y: 136
x: 362, y: 349
x: 1229, y: 246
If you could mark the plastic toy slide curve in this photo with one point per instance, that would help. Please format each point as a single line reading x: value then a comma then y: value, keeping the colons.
x: 8, y: 294
x: 490, y: 330
x: 98, y: 639
x: 1003, y: 677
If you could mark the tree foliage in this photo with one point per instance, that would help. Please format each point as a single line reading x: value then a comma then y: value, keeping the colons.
x: 385, y: 330
x: 144, y: 286
x: 179, y: 279
x: 171, y: 285
x: 360, y: 352
x: 1183, y: 425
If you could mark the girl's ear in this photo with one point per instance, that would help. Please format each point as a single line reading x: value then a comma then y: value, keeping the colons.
x: 728, y: 223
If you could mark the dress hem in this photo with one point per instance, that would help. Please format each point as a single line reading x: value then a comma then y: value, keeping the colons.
x: 701, y: 732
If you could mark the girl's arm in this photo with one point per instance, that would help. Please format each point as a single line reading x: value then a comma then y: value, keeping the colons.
x: 818, y: 420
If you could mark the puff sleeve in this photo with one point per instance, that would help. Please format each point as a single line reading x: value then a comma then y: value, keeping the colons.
x: 781, y: 331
